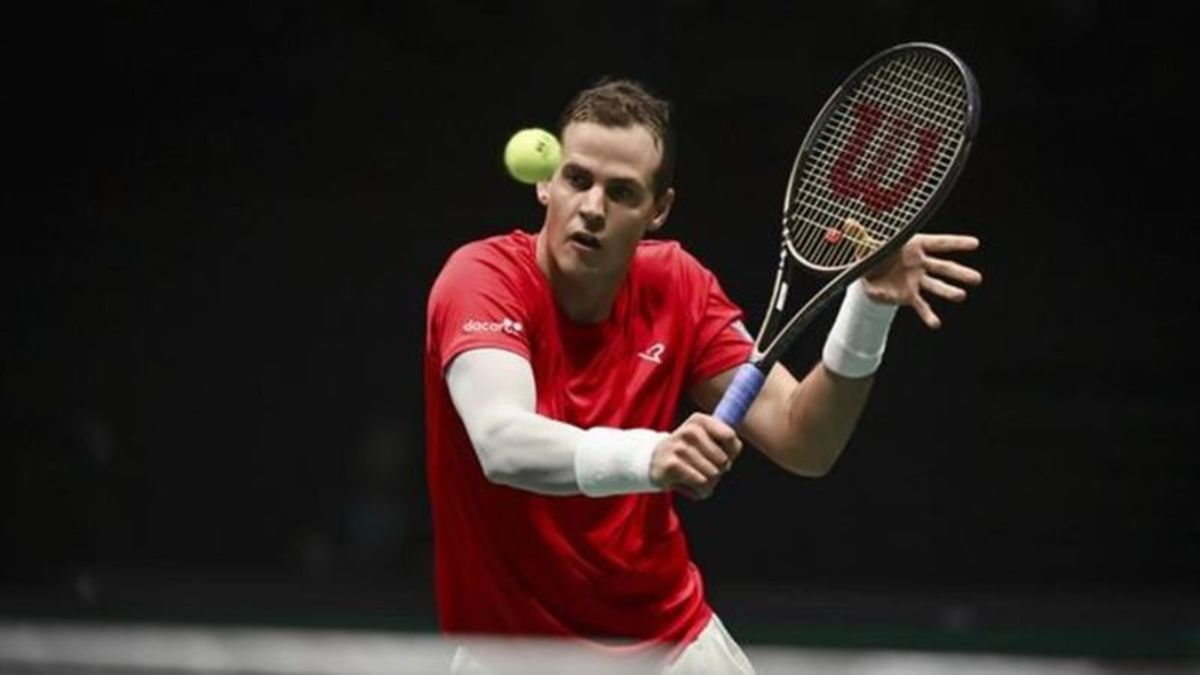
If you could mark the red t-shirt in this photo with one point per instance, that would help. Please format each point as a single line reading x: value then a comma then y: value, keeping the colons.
x: 509, y: 561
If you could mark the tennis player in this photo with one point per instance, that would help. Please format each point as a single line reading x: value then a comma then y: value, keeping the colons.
x: 554, y: 365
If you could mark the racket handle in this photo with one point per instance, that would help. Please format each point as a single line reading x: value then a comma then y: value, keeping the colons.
x: 740, y: 394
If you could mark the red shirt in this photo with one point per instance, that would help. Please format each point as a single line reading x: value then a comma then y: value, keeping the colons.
x: 509, y: 561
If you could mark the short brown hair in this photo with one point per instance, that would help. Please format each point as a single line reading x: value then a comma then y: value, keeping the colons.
x: 624, y: 103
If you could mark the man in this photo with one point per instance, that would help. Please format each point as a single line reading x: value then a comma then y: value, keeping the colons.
x: 553, y: 368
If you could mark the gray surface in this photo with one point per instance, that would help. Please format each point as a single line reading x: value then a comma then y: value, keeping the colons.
x: 60, y: 647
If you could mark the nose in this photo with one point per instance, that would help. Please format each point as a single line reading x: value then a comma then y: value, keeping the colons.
x: 592, y: 208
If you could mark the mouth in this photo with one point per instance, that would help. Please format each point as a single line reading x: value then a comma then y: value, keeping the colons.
x: 587, y: 241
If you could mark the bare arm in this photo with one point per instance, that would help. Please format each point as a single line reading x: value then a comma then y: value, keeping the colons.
x: 802, y: 425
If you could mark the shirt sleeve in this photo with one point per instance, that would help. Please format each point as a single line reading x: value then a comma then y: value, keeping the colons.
x: 476, y: 302
x: 721, y: 339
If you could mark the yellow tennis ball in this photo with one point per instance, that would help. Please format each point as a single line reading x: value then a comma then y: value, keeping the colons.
x: 532, y: 155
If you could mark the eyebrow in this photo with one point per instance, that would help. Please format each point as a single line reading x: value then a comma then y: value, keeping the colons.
x: 627, y: 183
x: 615, y: 180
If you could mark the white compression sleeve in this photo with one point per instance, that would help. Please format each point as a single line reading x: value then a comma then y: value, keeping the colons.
x: 496, y: 397
x: 856, y: 342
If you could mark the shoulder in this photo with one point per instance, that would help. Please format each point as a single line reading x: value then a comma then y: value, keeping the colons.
x: 485, y: 294
x: 513, y: 250
x: 666, y: 261
x: 505, y: 258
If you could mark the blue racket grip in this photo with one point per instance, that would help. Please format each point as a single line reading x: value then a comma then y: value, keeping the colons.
x: 740, y: 394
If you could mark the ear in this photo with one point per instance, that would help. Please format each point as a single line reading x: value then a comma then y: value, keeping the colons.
x: 543, y: 193
x: 662, y: 209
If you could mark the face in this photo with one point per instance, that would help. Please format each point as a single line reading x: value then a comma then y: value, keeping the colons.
x: 600, y: 202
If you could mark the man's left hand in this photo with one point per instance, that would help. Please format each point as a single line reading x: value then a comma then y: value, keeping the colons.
x: 903, y: 277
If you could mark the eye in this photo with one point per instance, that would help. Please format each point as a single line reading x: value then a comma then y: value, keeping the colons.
x: 621, y: 192
x: 580, y: 180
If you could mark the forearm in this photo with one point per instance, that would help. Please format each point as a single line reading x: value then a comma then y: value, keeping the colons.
x: 525, y: 450
x: 823, y: 411
x: 805, y: 425
x: 495, y: 395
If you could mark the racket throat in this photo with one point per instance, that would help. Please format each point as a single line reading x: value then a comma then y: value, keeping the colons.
x: 782, y: 299
x: 770, y: 324
x: 772, y: 351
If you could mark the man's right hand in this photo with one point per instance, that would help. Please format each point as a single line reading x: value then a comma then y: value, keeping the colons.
x: 695, y: 456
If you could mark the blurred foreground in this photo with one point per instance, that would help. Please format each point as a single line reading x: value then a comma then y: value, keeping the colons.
x: 57, y: 647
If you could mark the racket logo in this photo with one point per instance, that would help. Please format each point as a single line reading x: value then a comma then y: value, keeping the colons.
x: 867, y: 184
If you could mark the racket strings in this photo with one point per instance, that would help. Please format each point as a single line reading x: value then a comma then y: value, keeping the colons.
x: 877, y: 160
x: 872, y: 91
x: 877, y: 88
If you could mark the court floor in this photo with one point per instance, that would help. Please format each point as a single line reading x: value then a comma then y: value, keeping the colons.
x: 59, y: 647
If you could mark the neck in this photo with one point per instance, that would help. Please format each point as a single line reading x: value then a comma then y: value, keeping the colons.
x: 584, y: 298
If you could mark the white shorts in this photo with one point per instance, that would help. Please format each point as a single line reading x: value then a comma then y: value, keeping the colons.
x: 713, y: 651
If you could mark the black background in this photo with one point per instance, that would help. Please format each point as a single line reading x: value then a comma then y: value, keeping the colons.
x: 222, y: 222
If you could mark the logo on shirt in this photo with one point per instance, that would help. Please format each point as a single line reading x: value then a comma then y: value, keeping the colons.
x: 504, y: 326
x: 653, y: 353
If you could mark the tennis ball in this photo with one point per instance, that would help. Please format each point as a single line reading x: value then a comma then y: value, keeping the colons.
x: 532, y: 155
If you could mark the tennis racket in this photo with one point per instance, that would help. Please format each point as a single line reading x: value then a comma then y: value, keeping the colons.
x: 874, y: 166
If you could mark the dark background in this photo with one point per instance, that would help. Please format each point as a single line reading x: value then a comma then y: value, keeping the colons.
x: 221, y: 223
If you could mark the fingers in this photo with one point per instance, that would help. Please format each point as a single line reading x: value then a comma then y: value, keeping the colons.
x: 946, y: 243
x: 719, y: 442
x: 942, y: 289
x: 703, y: 456
x: 684, y: 474
x: 695, y: 456
x: 947, y: 269
x: 954, y: 271
x: 923, y: 310
x: 904, y: 277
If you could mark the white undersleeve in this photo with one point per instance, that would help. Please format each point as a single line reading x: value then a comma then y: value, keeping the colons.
x: 496, y: 397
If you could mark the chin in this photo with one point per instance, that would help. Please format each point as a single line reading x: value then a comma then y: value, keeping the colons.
x: 578, y: 268
x: 572, y: 264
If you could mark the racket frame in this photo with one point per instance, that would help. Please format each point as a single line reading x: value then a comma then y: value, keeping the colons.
x: 765, y: 357
x: 751, y: 376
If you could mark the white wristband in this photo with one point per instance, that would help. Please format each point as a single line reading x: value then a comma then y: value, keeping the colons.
x: 615, y: 461
x: 856, y: 342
